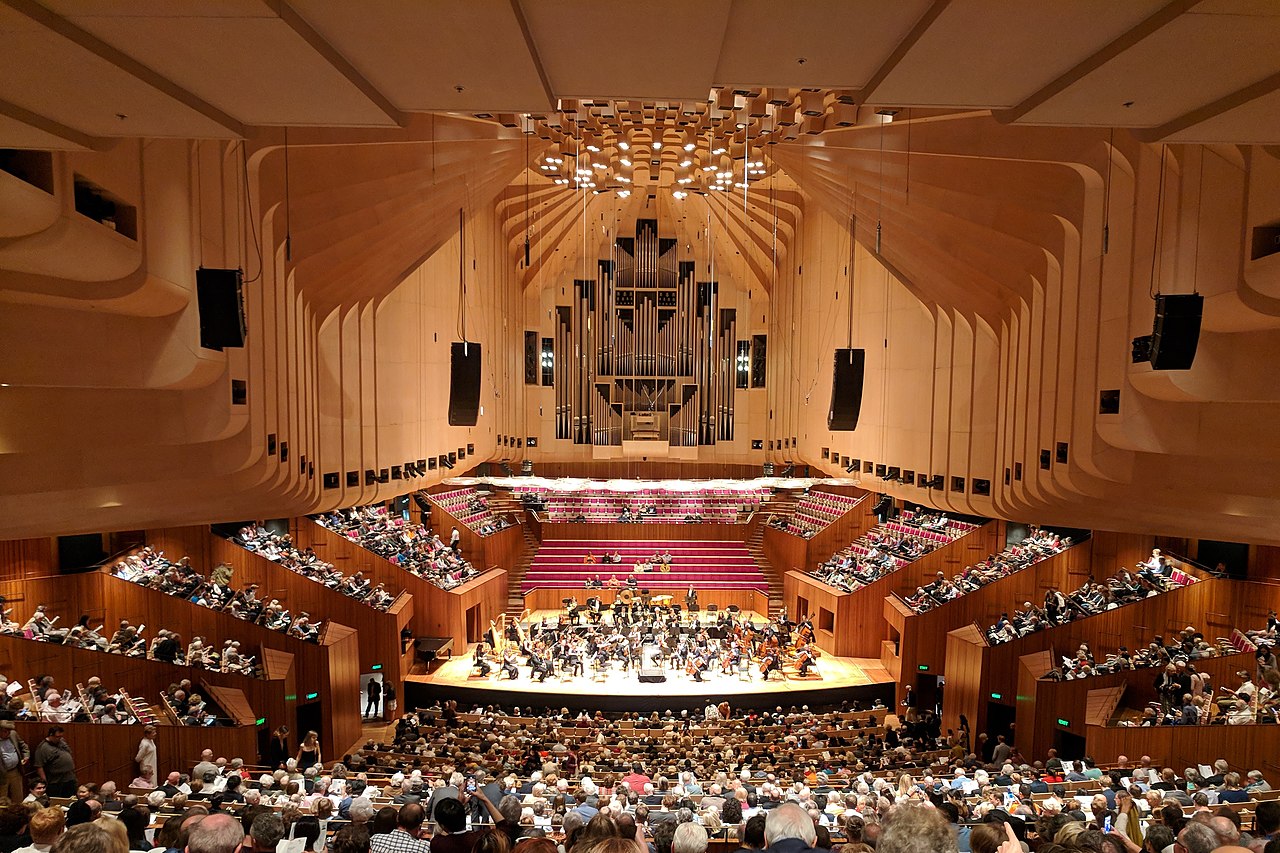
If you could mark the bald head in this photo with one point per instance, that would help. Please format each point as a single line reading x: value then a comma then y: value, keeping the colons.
x: 217, y: 833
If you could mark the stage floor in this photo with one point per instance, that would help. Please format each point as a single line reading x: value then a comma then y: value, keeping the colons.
x: 835, y: 676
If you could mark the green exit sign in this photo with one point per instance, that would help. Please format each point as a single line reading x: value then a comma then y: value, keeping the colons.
x: 292, y: 697
x: 376, y: 667
x: 1063, y: 722
x: 261, y: 721
x: 312, y: 695
x: 997, y: 695
x: 923, y: 667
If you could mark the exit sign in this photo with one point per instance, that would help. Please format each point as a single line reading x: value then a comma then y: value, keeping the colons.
x: 1063, y: 722
x: 997, y: 695
x: 376, y: 667
x: 924, y: 667
x: 312, y: 695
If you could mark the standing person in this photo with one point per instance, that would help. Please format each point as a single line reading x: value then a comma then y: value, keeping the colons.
x: 277, y: 752
x: 691, y: 599
x: 54, y: 764
x: 309, y: 751
x: 374, y: 694
x: 14, y: 753
x: 148, y: 763
x: 389, y: 704
x: 455, y: 542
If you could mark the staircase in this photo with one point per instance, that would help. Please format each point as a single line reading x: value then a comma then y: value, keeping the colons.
x: 515, y: 575
x: 782, y: 503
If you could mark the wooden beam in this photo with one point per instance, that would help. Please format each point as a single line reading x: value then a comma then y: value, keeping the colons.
x: 533, y: 54
x: 53, y: 128
x: 1226, y: 103
x: 123, y: 61
x: 1117, y: 46
x: 909, y: 41
x: 336, y: 60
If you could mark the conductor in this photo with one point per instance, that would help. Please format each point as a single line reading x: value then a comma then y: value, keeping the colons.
x: 691, y: 599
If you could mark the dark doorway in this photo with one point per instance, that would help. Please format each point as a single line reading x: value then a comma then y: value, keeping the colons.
x: 1000, y: 721
x: 1233, y: 557
x: 310, y: 719
x: 1070, y: 747
x: 928, y: 693
x: 475, y: 630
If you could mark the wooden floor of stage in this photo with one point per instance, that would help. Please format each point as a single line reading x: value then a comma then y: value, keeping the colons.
x: 832, y: 673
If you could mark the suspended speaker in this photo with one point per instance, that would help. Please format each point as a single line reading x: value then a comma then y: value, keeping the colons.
x: 846, y: 390
x: 464, y: 383
x: 1177, y: 331
x: 221, y: 308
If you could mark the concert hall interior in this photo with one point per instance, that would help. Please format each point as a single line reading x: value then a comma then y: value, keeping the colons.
x: 821, y: 407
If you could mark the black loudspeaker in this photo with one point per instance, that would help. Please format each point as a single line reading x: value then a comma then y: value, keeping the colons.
x: 464, y: 384
x: 221, y: 306
x: 1177, y: 331
x: 846, y: 390
x: 531, y: 358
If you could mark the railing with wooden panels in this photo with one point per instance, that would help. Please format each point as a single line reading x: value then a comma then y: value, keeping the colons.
x: 922, y: 637
x: 326, y: 673
x: 99, y: 757
x: 856, y: 625
x: 1244, y: 747
x: 436, y: 612
x: 1042, y: 703
x: 379, y: 630
x: 976, y: 670
x: 501, y: 549
x: 145, y: 679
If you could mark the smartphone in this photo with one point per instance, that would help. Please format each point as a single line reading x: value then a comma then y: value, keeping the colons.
x: 471, y: 786
x: 1106, y: 825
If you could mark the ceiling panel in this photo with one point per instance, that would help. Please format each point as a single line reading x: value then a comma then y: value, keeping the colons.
x: 1257, y: 122
x: 842, y: 44
x: 416, y: 54
x: 161, y: 8
x: 995, y: 53
x: 655, y: 49
x: 1194, y: 60
x: 254, y: 68
x: 45, y: 73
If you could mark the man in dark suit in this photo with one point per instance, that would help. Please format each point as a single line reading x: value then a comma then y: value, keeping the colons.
x: 445, y: 792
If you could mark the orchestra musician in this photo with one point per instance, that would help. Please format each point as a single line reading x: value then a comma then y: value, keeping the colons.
x: 691, y: 599
x: 509, y: 665
x: 482, y: 660
x: 806, y: 657
x: 540, y: 665
x: 697, y: 663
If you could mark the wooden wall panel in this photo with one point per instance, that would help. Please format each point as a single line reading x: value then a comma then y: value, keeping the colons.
x: 99, y: 758
x: 966, y: 681
x: 23, y: 558
x: 785, y: 552
x: 1244, y: 747
x: 820, y: 597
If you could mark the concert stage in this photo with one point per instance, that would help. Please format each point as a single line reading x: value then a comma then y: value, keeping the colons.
x: 839, y: 679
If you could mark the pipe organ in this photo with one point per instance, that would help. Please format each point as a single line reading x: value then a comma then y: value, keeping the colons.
x: 644, y: 351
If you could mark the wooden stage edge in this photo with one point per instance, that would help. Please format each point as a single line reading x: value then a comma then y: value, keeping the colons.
x: 842, y: 679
